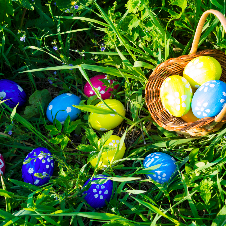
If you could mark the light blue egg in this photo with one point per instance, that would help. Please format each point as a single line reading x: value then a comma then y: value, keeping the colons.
x: 165, y: 171
x: 209, y: 99
x: 61, y: 106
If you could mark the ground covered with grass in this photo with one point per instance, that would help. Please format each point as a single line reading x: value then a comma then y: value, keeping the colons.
x: 55, y: 47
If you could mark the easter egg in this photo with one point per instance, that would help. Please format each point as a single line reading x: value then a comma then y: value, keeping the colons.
x: 61, y: 106
x: 202, y: 69
x: 165, y: 171
x: 107, y: 157
x: 176, y: 95
x: 38, y: 167
x: 100, y: 191
x: 104, y: 122
x: 97, y: 83
x: 12, y: 92
x: 189, y: 117
x: 2, y: 165
x: 209, y: 99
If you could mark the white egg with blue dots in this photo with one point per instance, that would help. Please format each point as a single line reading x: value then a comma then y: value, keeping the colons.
x: 163, y: 173
x: 209, y: 99
x: 62, y: 106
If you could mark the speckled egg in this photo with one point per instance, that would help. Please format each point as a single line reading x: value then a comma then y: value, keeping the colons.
x: 38, y: 167
x: 13, y: 92
x: 176, y: 95
x: 189, y: 117
x: 202, y: 69
x: 104, y: 122
x: 165, y: 171
x: 209, y: 99
x: 2, y: 165
x: 100, y: 191
x: 107, y: 157
x: 61, y: 106
x: 97, y: 83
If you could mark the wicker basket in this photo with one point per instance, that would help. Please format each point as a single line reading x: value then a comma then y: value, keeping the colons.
x: 175, y: 66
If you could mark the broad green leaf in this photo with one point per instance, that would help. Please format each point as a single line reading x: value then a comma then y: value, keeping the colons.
x: 104, y: 138
x: 217, y: 4
x: 64, y: 142
x: 8, y: 10
x: 220, y: 220
x: 94, y: 109
x: 135, y: 192
x: 147, y: 170
x: 26, y: 4
x: 122, y: 179
x: 92, y: 138
x: 86, y: 148
x: 24, y: 185
x: 143, y: 64
x: 6, y: 194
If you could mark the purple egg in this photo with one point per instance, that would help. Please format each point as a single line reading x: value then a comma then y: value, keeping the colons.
x: 38, y: 167
x: 99, y: 193
x: 97, y: 83
x: 12, y: 92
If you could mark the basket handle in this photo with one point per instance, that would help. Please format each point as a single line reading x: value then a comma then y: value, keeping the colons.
x: 195, y: 43
x: 202, y: 20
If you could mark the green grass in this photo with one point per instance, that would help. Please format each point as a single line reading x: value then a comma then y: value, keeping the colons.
x: 137, y: 36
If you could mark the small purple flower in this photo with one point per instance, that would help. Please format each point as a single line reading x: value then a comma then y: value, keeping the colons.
x: 10, y: 132
x: 71, y: 65
x: 102, y: 48
x: 54, y: 3
x: 22, y: 38
x: 50, y: 81
x: 76, y: 6
x: 55, y: 48
x: 54, y: 72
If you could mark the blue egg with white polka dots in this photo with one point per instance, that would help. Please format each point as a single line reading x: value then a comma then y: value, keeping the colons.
x: 99, y: 192
x: 165, y: 171
x: 209, y: 99
x: 61, y: 106
x: 38, y: 167
x: 12, y: 93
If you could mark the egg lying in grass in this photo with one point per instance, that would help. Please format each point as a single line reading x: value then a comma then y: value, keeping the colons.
x: 99, y: 192
x: 107, y: 156
x: 12, y: 92
x: 209, y: 99
x: 104, y: 122
x: 165, y: 171
x: 176, y: 95
x: 202, y: 69
x: 2, y: 165
x: 38, y: 167
x: 61, y: 106
x: 97, y: 83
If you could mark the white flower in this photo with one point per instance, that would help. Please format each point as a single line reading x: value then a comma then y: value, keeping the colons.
x: 30, y: 170
x: 36, y: 182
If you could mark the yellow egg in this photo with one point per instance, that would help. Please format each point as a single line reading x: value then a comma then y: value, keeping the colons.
x: 189, y: 117
x: 104, y: 122
x: 202, y: 69
x: 108, y: 156
x: 176, y: 95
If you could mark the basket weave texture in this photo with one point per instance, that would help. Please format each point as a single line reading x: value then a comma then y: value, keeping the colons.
x: 175, y: 66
